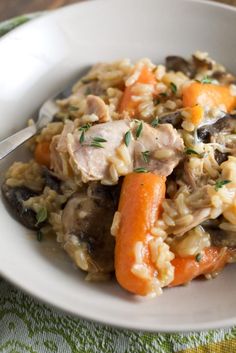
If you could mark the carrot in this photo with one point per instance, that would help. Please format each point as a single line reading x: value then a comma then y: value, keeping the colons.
x: 187, y: 268
x: 42, y: 153
x: 139, y: 206
x: 127, y: 104
x: 196, y: 114
x: 209, y: 95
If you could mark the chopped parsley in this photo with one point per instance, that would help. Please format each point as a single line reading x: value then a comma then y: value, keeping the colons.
x: 191, y: 151
x: 97, y: 142
x: 139, y: 129
x: 198, y: 257
x: 173, y: 87
x: 41, y: 215
x: 140, y: 170
x: 220, y: 183
x: 146, y: 156
x: 127, y: 138
x: 155, y: 122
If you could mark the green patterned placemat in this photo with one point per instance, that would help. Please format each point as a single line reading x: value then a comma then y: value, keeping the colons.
x: 27, y: 326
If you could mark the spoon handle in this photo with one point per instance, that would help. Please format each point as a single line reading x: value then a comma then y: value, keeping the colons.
x: 10, y: 143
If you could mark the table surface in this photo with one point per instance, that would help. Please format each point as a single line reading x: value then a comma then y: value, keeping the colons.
x: 11, y: 8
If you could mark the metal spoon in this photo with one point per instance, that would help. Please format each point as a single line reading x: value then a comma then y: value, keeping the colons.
x: 45, y: 116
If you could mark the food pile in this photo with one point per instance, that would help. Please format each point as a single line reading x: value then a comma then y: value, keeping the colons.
x: 136, y: 174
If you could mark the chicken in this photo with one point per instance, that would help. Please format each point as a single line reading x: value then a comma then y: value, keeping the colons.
x: 59, y: 154
x: 126, y: 145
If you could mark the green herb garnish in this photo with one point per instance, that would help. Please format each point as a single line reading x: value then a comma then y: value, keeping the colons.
x: 83, y: 128
x: 97, y: 142
x: 41, y: 215
x: 155, y: 122
x: 198, y: 257
x: 146, y: 156
x: 163, y: 94
x: 205, y: 80
x: 99, y: 139
x: 191, y: 151
x: 127, y: 138
x: 139, y: 129
x: 81, y: 139
x: 220, y: 183
x: 173, y: 87
x: 140, y: 170
x: 96, y: 145
x: 39, y: 235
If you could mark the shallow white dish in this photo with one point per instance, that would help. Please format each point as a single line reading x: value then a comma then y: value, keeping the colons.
x: 35, y: 62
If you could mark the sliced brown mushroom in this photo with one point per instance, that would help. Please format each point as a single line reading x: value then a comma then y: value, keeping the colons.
x: 219, y: 237
x: 220, y: 157
x: 227, y: 124
x: 51, y: 180
x: 177, y: 63
x: 14, y: 198
x: 95, y: 105
x: 87, y: 219
x: 224, y: 78
x: 201, y: 64
x: 174, y: 118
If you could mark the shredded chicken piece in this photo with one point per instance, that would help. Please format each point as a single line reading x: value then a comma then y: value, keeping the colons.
x: 163, y: 148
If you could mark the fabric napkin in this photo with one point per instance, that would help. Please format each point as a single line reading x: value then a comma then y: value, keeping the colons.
x: 27, y: 326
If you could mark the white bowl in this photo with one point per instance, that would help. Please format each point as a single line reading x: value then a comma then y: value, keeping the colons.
x: 36, y: 60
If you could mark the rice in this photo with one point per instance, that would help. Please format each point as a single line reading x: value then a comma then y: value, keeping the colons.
x: 191, y: 243
x: 116, y: 223
x: 25, y: 174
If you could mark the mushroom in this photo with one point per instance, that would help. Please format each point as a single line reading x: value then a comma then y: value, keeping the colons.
x: 87, y: 219
x: 175, y: 119
x: 51, y: 180
x: 95, y: 105
x: 220, y: 157
x: 219, y: 237
x: 227, y: 124
x: 201, y: 64
x: 224, y: 78
x: 177, y: 63
x: 14, y: 198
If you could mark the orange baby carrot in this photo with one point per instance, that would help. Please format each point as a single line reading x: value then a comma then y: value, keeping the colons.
x: 140, y: 204
x: 187, y: 268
